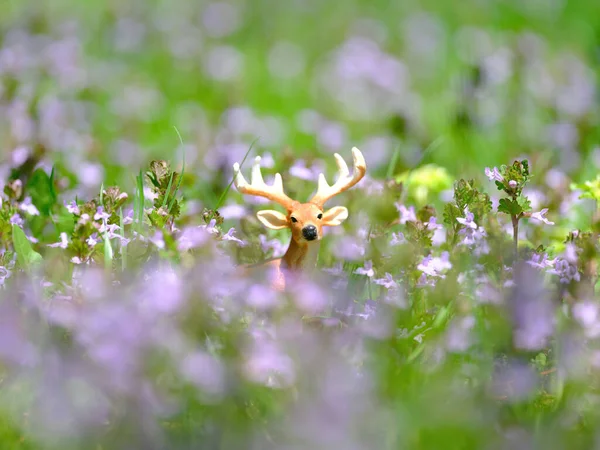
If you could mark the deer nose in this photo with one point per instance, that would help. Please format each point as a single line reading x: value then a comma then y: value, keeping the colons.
x: 309, y: 232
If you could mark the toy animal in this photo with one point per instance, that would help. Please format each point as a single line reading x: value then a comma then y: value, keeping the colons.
x: 305, y: 220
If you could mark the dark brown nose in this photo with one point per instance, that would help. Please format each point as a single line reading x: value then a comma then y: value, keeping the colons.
x: 309, y: 232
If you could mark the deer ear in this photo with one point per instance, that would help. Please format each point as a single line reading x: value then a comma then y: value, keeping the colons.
x: 272, y: 219
x: 334, y: 216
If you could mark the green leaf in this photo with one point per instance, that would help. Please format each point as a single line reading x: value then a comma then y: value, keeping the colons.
x: 524, y: 203
x: 26, y: 255
x: 510, y: 207
x: 42, y: 192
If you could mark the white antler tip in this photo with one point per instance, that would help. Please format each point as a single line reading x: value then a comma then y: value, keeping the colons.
x: 257, y: 159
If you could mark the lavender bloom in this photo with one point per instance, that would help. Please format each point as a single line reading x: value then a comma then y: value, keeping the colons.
x: 434, y: 266
x: 101, y: 215
x: 397, y: 239
x: 64, y: 241
x: 387, y: 282
x: 16, y: 220
x: 587, y: 313
x: 566, y: 271
x: 406, y: 214
x: 541, y: 216
x: 230, y: 237
x: 540, y: 260
x: 494, y: 174
x: 29, y: 207
x: 367, y: 269
x: 512, y: 184
x: 72, y: 208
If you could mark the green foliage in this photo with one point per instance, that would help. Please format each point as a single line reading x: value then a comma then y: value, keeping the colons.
x: 27, y: 257
x: 590, y: 189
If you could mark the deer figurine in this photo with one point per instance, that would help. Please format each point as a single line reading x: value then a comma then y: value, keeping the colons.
x: 305, y: 220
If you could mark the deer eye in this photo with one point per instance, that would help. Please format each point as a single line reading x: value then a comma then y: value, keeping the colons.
x: 294, y: 220
x: 320, y: 216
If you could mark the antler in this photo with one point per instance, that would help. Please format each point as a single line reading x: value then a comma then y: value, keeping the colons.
x: 345, y: 180
x: 259, y: 188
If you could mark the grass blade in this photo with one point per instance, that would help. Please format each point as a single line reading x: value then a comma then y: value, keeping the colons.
x: 224, y: 194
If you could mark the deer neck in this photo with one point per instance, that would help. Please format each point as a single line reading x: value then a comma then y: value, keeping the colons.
x: 301, y: 256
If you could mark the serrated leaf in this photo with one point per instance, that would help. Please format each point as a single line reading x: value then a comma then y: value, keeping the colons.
x: 510, y: 207
x: 524, y: 203
x: 27, y: 257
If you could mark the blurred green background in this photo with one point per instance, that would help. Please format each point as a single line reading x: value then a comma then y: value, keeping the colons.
x: 474, y: 82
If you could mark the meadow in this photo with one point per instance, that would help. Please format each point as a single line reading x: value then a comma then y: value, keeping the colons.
x: 455, y: 308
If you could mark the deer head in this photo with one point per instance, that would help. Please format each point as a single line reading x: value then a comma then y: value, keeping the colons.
x: 305, y: 220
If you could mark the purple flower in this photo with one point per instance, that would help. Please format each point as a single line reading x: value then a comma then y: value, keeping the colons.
x: 541, y: 216
x: 540, y: 260
x: 494, y: 174
x: 64, y: 242
x: 406, y: 214
x: 100, y: 214
x: 367, y: 269
x: 566, y: 271
x: 398, y: 239
x: 468, y: 220
x: 434, y: 266
x: 512, y: 184
x: 29, y: 207
x: 73, y: 208
x: 16, y: 220
x: 387, y: 281
x: 230, y: 237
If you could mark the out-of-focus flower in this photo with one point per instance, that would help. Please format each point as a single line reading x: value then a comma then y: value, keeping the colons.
x: 16, y: 219
x: 566, y: 272
x: 72, y: 207
x: 367, y: 269
x: 397, y: 239
x: 587, y: 313
x: 64, y: 241
x: 434, y: 266
x: 29, y: 207
x: 230, y: 237
x: 406, y: 214
x: 387, y: 281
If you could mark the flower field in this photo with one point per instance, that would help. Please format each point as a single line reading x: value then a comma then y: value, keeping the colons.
x: 454, y: 303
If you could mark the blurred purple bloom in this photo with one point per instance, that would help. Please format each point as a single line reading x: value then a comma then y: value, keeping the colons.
x: 566, y: 271
x: 64, y: 241
x: 387, y: 281
x: 29, y: 207
x: 72, y: 207
x: 406, y: 214
x: 16, y: 220
x: 367, y: 269
x: 205, y: 371
x: 192, y: 237
x: 398, y: 239
x: 435, y: 266
x: 230, y: 237
x: 512, y: 184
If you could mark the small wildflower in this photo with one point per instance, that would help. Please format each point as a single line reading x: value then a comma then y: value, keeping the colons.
x: 367, y: 269
x: 230, y: 237
x: 16, y: 220
x: 434, y: 266
x: 73, y: 208
x: 541, y: 216
x: 494, y: 174
x: 100, y: 214
x: 398, y: 239
x: 29, y: 207
x: 64, y: 242
x: 406, y: 214
x: 512, y: 184
x: 387, y: 282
